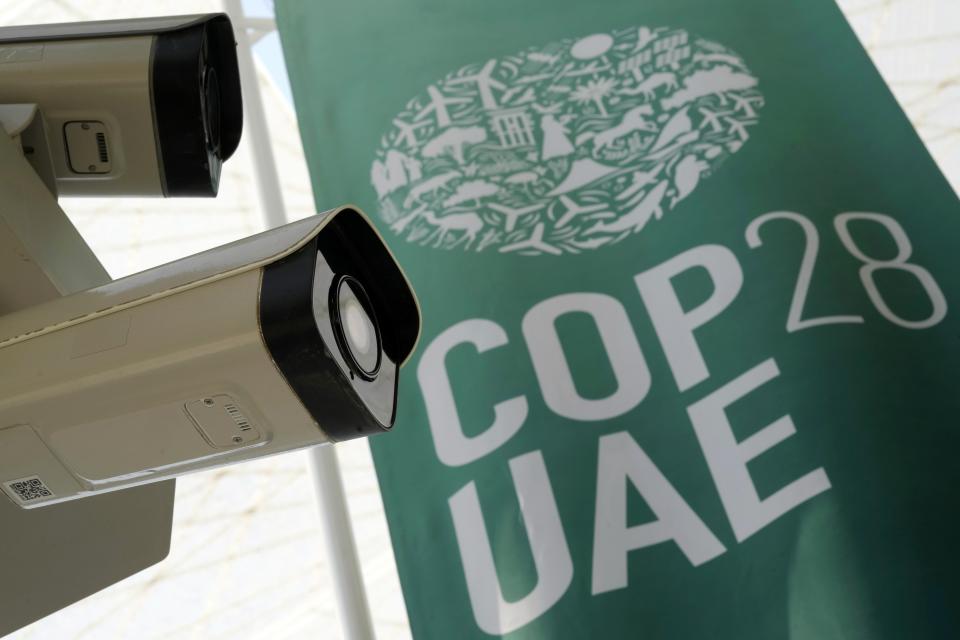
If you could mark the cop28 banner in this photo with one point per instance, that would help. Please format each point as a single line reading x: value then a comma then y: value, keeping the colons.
x: 689, y: 283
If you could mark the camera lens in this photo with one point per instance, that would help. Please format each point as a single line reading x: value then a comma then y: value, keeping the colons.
x: 355, y: 326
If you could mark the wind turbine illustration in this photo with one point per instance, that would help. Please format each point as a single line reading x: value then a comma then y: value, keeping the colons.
x: 574, y: 209
x: 534, y: 242
x: 438, y: 106
x: 745, y: 104
x: 407, y: 132
x: 485, y: 84
x: 511, y: 215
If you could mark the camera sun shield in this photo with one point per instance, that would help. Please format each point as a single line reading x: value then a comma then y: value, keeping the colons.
x: 338, y: 323
x: 197, y: 104
x: 145, y: 107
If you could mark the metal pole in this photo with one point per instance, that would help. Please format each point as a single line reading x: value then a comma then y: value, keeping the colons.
x: 325, y: 469
x: 341, y: 546
x: 255, y: 127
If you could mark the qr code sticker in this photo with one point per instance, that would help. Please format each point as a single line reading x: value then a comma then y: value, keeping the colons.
x: 29, y: 489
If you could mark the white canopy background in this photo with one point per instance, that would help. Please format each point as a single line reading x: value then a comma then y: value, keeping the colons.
x: 247, y: 559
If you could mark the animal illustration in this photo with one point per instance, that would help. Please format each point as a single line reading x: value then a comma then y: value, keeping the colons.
x: 640, y: 180
x: 452, y: 141
x: 471, y: 190
x: 686, y: 177
x: 650, y: 85
x: 716, y: 80
x: 430, y: 185
x: 590, y: 243
x: 680, y: 142
x: 636, y: 218
x: 633, y: 120
x: 523, y: 177
x: 718, y: 57
x: 644, y: 37
x: 397, y: 170
x: 468, y: 222
x: 678, y: 124
x: 542, y: 58
x: 400, y: 225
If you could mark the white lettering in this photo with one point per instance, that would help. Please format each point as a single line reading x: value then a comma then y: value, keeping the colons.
x: 619, y: 343
x: 548, y: 544
x: 673, y: 325
x: 621, y: 458
x: 453, y: 447
x: 727, y: 458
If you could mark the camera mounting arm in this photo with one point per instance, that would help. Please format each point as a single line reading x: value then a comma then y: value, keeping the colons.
x: 86, y: 544
x: 42, y: 255
x: 24, y: 124
x: 14, y: 118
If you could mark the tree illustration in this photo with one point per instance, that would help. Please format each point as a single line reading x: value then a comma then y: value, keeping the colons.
x: 594, y: 91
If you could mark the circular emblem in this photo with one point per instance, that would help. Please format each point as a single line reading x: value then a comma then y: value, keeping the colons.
x: 566, y: 147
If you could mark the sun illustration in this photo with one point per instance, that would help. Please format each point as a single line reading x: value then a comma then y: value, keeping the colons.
x: 591, y: 47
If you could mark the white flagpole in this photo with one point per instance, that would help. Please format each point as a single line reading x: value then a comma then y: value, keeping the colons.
x: 325, y: 469
x: 255, y: 121
x: 341, y: 545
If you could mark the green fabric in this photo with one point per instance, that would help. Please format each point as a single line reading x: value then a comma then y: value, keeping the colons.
x: 864, y: 362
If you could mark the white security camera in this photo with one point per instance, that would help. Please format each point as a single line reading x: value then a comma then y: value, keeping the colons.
x: 126, y: 107
x: 290, y: 338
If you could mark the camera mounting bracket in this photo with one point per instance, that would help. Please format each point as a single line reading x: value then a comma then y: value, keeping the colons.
x: 25, y: 125
x: 83, y: 545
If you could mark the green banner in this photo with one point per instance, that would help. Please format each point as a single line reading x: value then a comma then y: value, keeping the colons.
x: 690, y: 350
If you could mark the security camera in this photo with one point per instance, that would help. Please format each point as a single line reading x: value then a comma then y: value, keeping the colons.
x: 146, y: 107
x: 286, y: 339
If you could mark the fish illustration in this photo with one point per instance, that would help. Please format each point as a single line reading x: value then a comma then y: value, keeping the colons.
x: 636, y: 218
x: 686, y: 177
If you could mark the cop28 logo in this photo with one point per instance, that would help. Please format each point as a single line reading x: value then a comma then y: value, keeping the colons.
x: 566, y: 147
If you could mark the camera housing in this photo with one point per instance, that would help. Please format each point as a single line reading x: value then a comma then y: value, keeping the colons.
x: 145, y: 107
x: 242, y: 351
